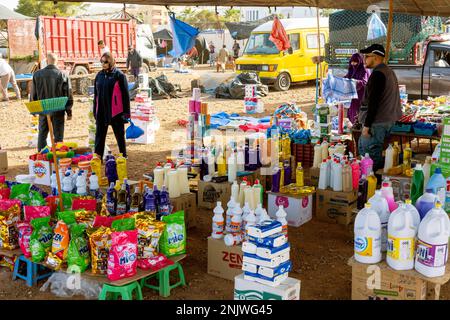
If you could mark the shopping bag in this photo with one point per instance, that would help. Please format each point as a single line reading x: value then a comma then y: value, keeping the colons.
x: 376, y: 28
x: 133, y: 131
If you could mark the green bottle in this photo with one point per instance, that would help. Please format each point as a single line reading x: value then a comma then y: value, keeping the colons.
x: 417, y: 183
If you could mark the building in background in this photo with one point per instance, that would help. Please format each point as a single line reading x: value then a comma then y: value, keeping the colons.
x: 253, y: 13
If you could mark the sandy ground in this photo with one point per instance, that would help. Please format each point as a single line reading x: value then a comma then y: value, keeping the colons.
x: 319, y: 250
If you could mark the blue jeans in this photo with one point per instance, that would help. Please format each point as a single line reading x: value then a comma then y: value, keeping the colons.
x: 373, y: 145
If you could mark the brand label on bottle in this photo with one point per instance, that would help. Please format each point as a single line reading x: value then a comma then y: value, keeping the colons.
x: 431, y: 255
x: 384, y: 235
x: 235, y: 227
x: 164, y: 210
x: 110, y: 207
x: 121, y: 208
x: 401, y: 249
x: 134, y: 209
x: 217, y: 227
x: 364, y: 246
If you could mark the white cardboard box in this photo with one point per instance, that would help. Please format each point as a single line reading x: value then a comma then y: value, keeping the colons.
x: 250, y: 290
x: 149, y: 133
x: 42, y: 170
x: 299, y: 210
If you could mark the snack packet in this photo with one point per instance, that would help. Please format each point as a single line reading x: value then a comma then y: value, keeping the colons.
x: 35, y: 199
x: 21, y: 192
x: 68, y: 200
x: 173, y: 240
x: 122, y: 260
x: 9, y: 236
x: 85, y: 204
x: 101, y: 221
x: 31, y: 212
x: 40, y: 239
x: 5, y: 193
x: 25, y: 231
x: 154, y: 263
x: 123, y: 224
x: 5, y: 204
x: 61, y: 238
x: 78, y: 254
x: 100, y: 242
x: 85, y: 217
x: 149, y: 233
x: 7, y: 262
x: 68, y: 217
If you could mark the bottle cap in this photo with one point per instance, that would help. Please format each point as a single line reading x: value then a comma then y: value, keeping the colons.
x: 438, y: 205
x: 438, y: 170
x: 367, y: 205
x: 408, y: 201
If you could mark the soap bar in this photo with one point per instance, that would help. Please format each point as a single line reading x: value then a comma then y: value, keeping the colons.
x: 265, y: 229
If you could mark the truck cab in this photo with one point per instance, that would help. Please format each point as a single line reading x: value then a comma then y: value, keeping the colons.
x: 146, y: 47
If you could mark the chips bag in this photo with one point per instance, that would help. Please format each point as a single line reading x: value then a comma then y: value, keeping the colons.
x: 123, y: 224
x: 31, y: 212
x: 101, y: 221
x: 35, y: 199
x: 68, y: 217
x: 5, y: 193
x: 40, y: 239
x: 21, y: 192
x: 85, y: 217
x: 149, y: 233
x: 122, y: 260
x: 100, y: 242
x: 85, y: 204
x: 78, y: 255
x: 173, y: 240
x: 68, y: 200
x: 9, y: 236
x: 25, y: 231
x: 5, y: 204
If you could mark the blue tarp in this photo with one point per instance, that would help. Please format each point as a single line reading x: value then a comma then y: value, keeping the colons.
x: 183, y: 37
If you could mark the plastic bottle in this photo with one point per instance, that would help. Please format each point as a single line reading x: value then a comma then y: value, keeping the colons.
x: 94, y: 187
x: 174, y: 190
x: 317, y: 155
x: 332, y: 169
x: 362, y: 192
x: 281, y: 217
x: 111, y: 199
x: 109, y: 156
x: 401, y: 239
x: 414, y: 213
x: 250, y: 220
x: 356, y: 172
x: 371, y: 184
x: 281, y: 166
x: 217, y: 222
x: 150, y: 203
x: 74, y: 180
x: 157, y: 195
x: 340, y: 148
x: 229, y: 215
x: 417, y: 183
x: 211, y: 164
x: 96, y: 166
x: 331, y: 150
x: 432, y: 244
x: 407, y: 156
x: 337, y: 180
x: 380, y: 205
x: 347, y: 177
x: 158, y: 175
x: 258, y: 192
x: 426, y: 168
x: 388, y: 193
x: 183, y: 181
x: 248, y: 196
x: 389, y: 159
x: 299, y: 176
x: 233, y: 239
x: 221, y: 165
x: 426, y: 202
x: 287, y: 173
x: 367, y: 236
x: 396, y: 154
x: 438, y: 184
x: 366, y: 165
x: 232, y: 167
x: 235, y: 191
x: 245, y: 211
x: 276, y: 177
x: 111, y: 168
x: 67, y: 183
x: 324, y: 147
x: 447, y: 196
x: 136, y: 200
x: 121, y: 167
x: 167, y: 168
x: 128, y: 189
x: 54, y: 184
x: 259, y: 212
x: 323, y: 175
x: 264, y: 216
x: 242, y: 187
x: 164, y: 203
x: 240, y: 159
x: 122, y: 201
x: 236, y: 220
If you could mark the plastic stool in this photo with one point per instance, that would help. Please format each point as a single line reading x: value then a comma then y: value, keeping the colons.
x: 125, y: 291
x: 163, y: 277
x: 31, y: 277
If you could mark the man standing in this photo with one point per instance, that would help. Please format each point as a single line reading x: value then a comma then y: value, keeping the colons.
x: 7, y: 76
x: 222, y: 58
x: 134, y: 62
x: 50, y: 82
x: 381, y: 105
x: 212, y: 53
x: 103, y: 48
x: 236, y: 49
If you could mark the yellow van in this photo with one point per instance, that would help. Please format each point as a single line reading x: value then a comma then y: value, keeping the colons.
x: 293, y: 65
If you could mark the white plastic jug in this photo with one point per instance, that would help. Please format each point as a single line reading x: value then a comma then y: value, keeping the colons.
x: 250, y: 220
x: 324, y: 147
x: 414, y: 213
x: 230, y: 211
x: 367, y: 236
x: 259, y: 213
x: 323, y: 176
x: 235, y: 191
x: 317, y: 155
x: 432, y: 243
x: 337, y: 177
x: 389, y: 159
x: 245, y: 211
x: 401, y: 239
x: 380, y: 205
x: 236, y: 220
x: 217, y: 221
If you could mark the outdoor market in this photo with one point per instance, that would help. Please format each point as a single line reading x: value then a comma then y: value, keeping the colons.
x: 255, y: 153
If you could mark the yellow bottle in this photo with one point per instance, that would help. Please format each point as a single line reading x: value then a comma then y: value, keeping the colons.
x: 121, y: 167
x: 281, y: 175
x: 407, y: 155
x: 396, y: 153
x: 96, y: 166
x: 221, y: 165
x: 299, y: 175
x: 371, y: 185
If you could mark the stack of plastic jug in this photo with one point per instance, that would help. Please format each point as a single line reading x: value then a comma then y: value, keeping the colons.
x: 367, y: 236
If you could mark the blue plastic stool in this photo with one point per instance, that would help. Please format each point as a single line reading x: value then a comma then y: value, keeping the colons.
x: 31, y: 277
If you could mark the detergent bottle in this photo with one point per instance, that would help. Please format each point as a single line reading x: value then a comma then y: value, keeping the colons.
x: 235, y: 191
x: 258, y: 192
x: 407, y: 156
x: 158, y: 175
x: 259, y: 213
x: 389, y: 159
x: 276, y: 178
x: 94, y: 187
x: 438, y: 184
x: 54, y: 184
x: 388, y: 193
x: 367, y: 236
x: 240, y: 159
x: 211, y: 164
x: 242, y: 187
x: 414, y: 213
x: 337, y: 180
x: 426, y: 202
x: 236, y: 220
x: 74, y: 180
x: 380, y: 205
x: 96, y: 166
x: 347, y: 177
x: 362, y: 192
x: 122, y: 201
x: 332, y: 175
x: 366, y: 165
x: 81, y: 184
x: 232, y: 167
x: 426, y: 168
x: 67, y: 183
x: 432, y: 243
x: 281, y: 174
x: 217, y: 222
x: 249, y: 196
x: 401, y: 239
x: 229, y: 214
x: 299, y: 177
x: 111, y: 199
x: 396, y: 154
x: 183, y: 179
x: 157, y: 195
x: 245, y: 211
x: 164, y: 203
x: 150, y: 203
x: 417, y: 183
x: 109, y: 156
x: 281, y: 217
x: 287, y: 173
x: 331, y: 150
x: 264, y: 216
x: 111, y: 169
x: 221, y: 165
x: 323, y: 175
x: 167, y: 167
x: 324, y: 147
x: 317, y: 155
x: 121, y: 167
x: 356, y: 172
x: 136, y: 200
x: 371, y: 184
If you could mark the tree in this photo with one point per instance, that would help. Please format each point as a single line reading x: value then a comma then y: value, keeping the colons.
x: 206, y: 19
x: 35, y: 8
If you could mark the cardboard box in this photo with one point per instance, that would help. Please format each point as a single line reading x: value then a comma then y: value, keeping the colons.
x: 3, y: 161
x: 250, y: 290
x: 149, y: 132
x: 298, y: 209
x: 401, y: 186
x: 336, y: 207
x: 188, y: 203
x: 42, y: 170
x: 210, y: 192
x: 223, y: 261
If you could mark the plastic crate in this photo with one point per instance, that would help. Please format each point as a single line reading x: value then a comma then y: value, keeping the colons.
x: 401, y: 127
x: 424, y: 132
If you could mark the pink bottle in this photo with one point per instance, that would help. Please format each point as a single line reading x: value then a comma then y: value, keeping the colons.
x: 388, y: 194
x: 366, y: 165
x: 356, y: 173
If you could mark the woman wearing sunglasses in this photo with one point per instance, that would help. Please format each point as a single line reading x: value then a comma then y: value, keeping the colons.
x: 111, y: 104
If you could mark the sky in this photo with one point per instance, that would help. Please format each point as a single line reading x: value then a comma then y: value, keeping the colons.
x: 12, y: 4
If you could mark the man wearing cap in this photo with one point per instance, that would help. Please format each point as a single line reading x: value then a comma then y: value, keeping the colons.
x: 381, y: 105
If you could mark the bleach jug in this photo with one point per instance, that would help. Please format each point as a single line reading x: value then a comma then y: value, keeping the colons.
x: 356, y: 172
x: 417, y: 183
x: 414, y: 213
x: 380, y: 205
x: 259, y: 213
x: 426, y: 202
x: 371, y: 184
x: 217, y: 221
x: 366, y: 164
x: 236, y: 220
x: 367, y: 236
x: 347, y: 177
x: 245, y: 211
x: 337, y: 179
x: 250, y: 220
x: 229, y: 215
x: 432, y: 243
x: 67, y: 183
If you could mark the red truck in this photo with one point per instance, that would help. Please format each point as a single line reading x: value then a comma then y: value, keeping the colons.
x: 74, y: 41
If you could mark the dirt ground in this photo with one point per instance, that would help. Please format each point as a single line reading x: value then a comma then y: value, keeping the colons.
x: 319, y: 251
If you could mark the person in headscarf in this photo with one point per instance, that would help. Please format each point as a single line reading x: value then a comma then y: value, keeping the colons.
x: 357, y: 71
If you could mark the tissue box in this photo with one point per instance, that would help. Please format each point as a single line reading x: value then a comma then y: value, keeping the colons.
x: 270, y: 281
x: 265, y: 262
x: 269, y: 253
x: 273, y: 272
x: 273, y: 241
x: 265, y: 229
x: 250, y: 267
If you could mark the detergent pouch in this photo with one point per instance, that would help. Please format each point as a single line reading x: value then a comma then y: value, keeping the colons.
x: 149, y: 233
x: 78, y: 255
x: 31, y: 212
x: 9, y: 236
x: 155, y: 263
x: 122, y: 260
x: 25, y: 231
x: 100, y: 242
x: 68, y: 217
x: 41, y: 238
x: 173, y: 240
x: 123, y: 224
x: 133, y: 131
x: 85, y: 204
x: 21, y: 192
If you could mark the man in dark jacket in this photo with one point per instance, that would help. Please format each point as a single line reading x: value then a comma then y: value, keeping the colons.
x: 50, y: 82
x: 381, y: 105
x: 134, y: 62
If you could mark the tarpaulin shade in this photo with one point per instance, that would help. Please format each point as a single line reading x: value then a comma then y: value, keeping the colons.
x: 163, y: 34
x: 242, y: 30
x: 183, y: 36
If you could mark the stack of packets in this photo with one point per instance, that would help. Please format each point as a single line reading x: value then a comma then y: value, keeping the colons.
x: 266, y: 254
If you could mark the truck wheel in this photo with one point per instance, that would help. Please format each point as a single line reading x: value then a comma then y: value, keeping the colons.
x: 80, y: 70
x: 283, y: 82
x: 145, y: 68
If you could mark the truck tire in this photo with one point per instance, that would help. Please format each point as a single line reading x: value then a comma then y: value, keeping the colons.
x: 283, y: 82
x: 80, y: 70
